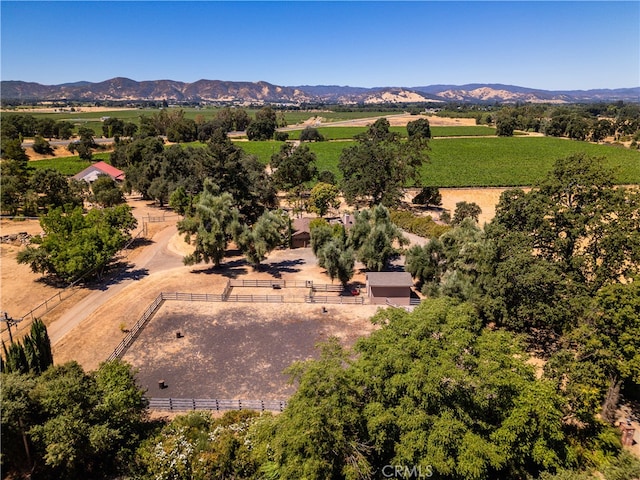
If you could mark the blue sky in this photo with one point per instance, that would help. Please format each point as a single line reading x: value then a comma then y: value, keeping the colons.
x: 549, y: 45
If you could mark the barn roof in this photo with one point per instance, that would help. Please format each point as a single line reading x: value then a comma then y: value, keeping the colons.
x: 389, y: 279
x: 92, y: 172
x: 301, y: 225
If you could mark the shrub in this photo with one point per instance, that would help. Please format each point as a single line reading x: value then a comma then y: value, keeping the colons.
x: 428, y: 196
x: 421, y: 226
x: 41, y: 146
x: 281, y: 136
x: 310, y: 134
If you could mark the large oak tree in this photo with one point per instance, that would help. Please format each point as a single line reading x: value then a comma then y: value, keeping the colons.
x: 381, y: 164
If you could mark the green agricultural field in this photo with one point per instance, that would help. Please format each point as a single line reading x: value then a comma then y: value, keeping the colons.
x: 262, y: 150
x: 515, y: 161
x: 133, y: 115
x: 298, y: 116
x: 327, y: 153
x: 129, y: 115
x: 343, y: 133
x: 67, y: 165
x: 455, y: 162
x: 466, y: 162
x: 92, y: 119
x: 463, y: 131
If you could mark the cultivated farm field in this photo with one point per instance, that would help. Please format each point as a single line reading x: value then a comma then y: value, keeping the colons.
x: 516, y: 161
x: 68, y: 165
x: 482, y: 161
x: 454, y: 162
x: 342, y: 133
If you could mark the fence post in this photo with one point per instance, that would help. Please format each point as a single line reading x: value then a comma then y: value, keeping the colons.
x: 170, y: 404
x: 194, y: 403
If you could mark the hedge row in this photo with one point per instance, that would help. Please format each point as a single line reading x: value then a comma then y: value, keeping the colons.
x: 421, y: 226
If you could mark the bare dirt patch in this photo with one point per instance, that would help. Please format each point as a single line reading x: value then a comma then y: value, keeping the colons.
x: 95, y: 337
x: 58, y: 151
x: 485, y: 198
x: 399, y: 120
x: 64, y: 109
x: 236, y: 351
x: 20, y: 288
x: 93, y: 340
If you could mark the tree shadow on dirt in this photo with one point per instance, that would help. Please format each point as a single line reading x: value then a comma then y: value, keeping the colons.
x: 140, y: 242
x: 230, y: 269
x: 52, y: 281
x: 394, y: 267
x: 118, y: 273
x: 276, y: 269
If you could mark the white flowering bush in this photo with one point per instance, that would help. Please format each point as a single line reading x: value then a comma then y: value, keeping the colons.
x: 199, y: 447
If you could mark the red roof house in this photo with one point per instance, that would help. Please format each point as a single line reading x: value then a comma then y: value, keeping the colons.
x: 92, y: 172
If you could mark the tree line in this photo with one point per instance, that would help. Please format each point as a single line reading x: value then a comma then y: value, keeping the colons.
x: 579, y: 122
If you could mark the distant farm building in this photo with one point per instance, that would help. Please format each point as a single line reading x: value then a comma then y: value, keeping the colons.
x: 389, y: 288
x: 92, y: 172
x: 301, y: 233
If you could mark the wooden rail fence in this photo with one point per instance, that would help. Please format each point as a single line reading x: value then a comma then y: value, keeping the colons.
x: 57, y: 298
x: 325, y: 287
x: 225, y: 297
x: 259, y: 299
x: 271, y: 283
x: 192, y: 297
x: 135, y: 330
x: 335, y: 300
x: 182, y: 404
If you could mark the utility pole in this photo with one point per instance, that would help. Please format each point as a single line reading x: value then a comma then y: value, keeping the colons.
x: 9, y: 321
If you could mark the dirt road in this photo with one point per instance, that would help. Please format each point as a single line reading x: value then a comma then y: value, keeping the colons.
x: 153, y: 259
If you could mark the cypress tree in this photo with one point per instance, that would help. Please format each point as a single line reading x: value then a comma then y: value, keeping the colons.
x: 15, y: 358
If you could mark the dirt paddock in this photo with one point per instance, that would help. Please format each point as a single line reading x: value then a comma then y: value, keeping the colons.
x: 236, y: 351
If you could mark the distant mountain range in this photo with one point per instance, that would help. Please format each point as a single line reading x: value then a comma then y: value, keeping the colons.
x: 217, y: 91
